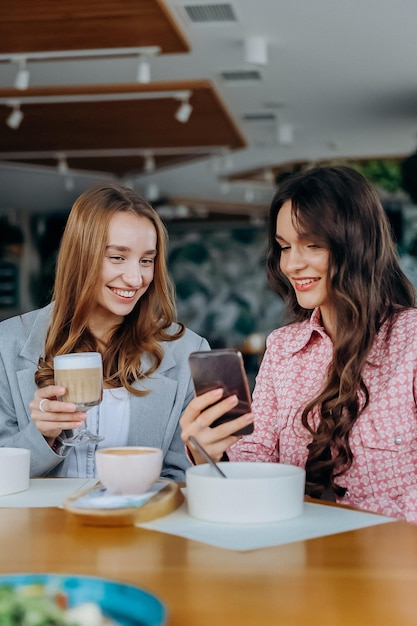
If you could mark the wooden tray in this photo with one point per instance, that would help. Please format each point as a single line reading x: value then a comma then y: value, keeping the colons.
x: 162, y: 503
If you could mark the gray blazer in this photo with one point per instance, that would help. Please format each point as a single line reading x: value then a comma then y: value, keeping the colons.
x: 153, y: 418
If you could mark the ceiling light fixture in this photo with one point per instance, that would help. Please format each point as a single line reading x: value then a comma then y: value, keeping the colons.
x: 22, y: 76
x: 34, y: 155
x: 64, y: 170
x: 143, y: 74
x: 180, y: 94
x: 184, y: 111
x: 285, y: 134
x: 62, y: 164
x: 149, y: 165
x: 16, y: 116
x: 256, y: 51
x: 74, y: 54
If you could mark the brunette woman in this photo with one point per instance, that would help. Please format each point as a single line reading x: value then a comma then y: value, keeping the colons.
x: 337, y: 387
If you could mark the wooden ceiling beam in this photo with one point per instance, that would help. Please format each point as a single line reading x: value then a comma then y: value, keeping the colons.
x: 49, y: 25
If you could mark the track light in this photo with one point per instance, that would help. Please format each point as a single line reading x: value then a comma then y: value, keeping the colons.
x: 62, y: 164
x: 95, y: 96
x: 184, y: 111
x: 15, y: 118
x: 256, y: 51
x: 149, y: 163
x: 64, y: 170
x: 143, y: 74
x: 22, y: 76
x: 285, y: 134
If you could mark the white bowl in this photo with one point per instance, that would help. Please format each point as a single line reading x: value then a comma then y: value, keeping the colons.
x: 251, y: 493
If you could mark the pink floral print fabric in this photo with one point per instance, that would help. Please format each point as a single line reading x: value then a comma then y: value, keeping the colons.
x: 383, y: 477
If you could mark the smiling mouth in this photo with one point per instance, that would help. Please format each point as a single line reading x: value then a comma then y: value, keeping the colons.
x: 123, y: 293
x: 305, y: 284
x: 305, y: 281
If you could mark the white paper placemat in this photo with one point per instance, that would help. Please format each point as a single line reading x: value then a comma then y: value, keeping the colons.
x: 316, y: 521
x: 44, y: 492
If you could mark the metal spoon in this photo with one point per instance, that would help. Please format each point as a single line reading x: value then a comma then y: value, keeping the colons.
x: 206, y: 456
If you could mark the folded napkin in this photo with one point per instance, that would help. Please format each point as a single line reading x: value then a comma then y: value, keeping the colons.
x: 46, y: 492
x: 316, y: 520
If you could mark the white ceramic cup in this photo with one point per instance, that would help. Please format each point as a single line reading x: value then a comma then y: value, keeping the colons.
x: 14, y: 470
x: 251, y: 493
x: 128, y: 470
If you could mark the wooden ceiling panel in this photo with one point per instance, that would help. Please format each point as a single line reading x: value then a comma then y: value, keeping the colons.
x: 104, y: 133
x: 52, y: 25
x: 117, y: 125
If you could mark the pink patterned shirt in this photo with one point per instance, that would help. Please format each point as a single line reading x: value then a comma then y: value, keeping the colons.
x: 383, y: 476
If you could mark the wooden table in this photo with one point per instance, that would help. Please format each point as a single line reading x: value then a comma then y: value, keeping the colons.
x: 366, y: 577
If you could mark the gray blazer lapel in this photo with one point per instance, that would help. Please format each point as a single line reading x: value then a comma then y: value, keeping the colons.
x: 150, y: 415
x: 150, y: 423
x: 33, y: 348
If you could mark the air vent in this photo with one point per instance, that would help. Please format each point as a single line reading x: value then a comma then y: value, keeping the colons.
x: 241, y: 75
x: 209, y: 13
x: 259, y: 117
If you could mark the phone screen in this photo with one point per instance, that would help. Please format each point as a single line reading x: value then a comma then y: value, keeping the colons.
x: 224, y: 369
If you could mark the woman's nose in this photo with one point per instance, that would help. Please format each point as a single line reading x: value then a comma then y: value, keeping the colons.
x: 133, y: 276
x: 294, y: 259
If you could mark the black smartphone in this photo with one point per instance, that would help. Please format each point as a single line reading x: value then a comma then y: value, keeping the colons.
x: 223, y: 368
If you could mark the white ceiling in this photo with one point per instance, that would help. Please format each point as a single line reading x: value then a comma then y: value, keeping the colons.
x: 343, y: 74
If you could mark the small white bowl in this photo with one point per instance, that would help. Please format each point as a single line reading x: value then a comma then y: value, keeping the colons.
x: 129, y: 469
x: 251, y: 493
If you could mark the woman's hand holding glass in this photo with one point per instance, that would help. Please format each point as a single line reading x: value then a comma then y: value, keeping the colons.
x: 51, y: 416
x: 201, y: 413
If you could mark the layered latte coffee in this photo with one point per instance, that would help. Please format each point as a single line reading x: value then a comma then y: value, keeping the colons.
x: 81, y: 374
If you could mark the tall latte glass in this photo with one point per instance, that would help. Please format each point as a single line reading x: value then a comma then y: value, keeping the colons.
x: 81, y: 373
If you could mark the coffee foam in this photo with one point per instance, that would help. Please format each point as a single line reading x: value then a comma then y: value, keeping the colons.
x: 77, y: 360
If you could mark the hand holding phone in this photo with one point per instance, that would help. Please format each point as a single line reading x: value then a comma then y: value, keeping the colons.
x: 223, y: 368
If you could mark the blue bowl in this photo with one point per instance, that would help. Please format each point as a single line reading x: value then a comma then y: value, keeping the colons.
x: 125, y: 604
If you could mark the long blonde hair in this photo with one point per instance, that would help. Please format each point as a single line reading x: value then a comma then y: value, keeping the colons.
x: 78, y: 272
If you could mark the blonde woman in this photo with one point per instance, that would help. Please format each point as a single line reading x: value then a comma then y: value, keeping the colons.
x: 112, y: 295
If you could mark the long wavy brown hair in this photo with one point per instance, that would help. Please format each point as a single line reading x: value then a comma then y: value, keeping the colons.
x: 339, y: 208
x: 78, y: 271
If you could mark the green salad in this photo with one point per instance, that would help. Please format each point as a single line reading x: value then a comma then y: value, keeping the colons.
x: 40, y: 605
